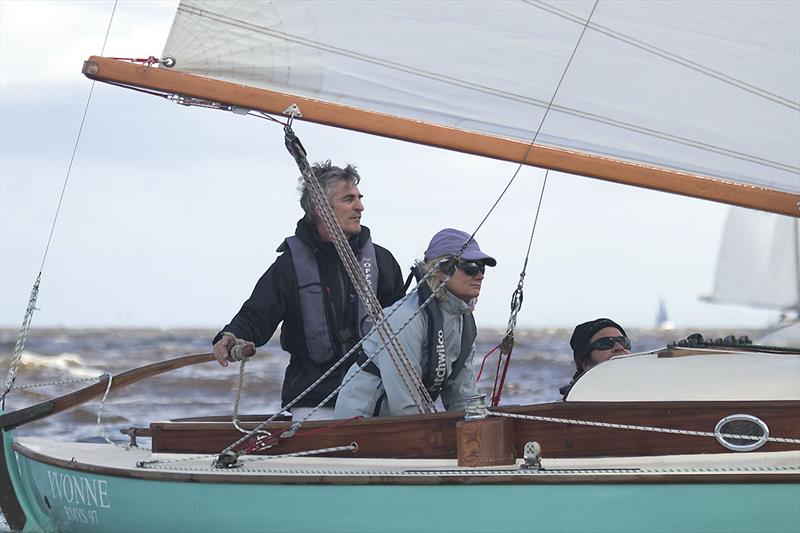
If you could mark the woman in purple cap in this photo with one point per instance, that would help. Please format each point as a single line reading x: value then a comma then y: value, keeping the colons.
x: 439, y: 340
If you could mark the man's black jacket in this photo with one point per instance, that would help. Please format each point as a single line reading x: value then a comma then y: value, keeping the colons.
x: 275, y: 300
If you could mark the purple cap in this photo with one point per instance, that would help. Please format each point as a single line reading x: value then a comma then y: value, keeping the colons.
x: 449, y: 241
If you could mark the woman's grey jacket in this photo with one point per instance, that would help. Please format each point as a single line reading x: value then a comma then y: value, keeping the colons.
x: 363, y: 392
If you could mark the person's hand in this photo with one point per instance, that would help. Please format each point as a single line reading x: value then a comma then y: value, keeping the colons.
x: 229, y: 348
x: 222, y: 349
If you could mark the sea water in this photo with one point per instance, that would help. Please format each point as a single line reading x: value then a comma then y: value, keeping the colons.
x: 541, y: 362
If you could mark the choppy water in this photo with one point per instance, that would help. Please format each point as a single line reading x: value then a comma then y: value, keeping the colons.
x: 541, y: 362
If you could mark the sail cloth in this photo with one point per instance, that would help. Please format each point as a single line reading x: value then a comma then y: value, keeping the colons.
x: 709, y: 87
x: 758, y: 261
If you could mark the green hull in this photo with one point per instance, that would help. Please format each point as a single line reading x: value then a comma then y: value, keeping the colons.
x: 69, y: 500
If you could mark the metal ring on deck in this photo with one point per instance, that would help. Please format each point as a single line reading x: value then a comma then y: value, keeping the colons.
x: 727, y: 430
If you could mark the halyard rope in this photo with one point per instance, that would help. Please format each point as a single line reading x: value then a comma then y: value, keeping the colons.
x: 408, y: 374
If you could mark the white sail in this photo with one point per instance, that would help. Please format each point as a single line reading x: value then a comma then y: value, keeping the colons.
x: 707, y: 87
x: 758, y: 261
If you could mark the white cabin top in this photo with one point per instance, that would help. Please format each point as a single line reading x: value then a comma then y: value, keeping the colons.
x: 705, y: 375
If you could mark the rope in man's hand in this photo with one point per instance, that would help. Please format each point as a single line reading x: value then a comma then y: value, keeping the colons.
x: 231, y: 349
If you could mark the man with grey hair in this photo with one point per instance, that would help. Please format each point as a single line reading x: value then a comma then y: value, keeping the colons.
x: 308, y: 290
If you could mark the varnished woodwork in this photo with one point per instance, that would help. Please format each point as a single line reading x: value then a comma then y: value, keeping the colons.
x: 44, y: 409
x: 434, y: 436
x: 589, y: 165
x: 487, y: 442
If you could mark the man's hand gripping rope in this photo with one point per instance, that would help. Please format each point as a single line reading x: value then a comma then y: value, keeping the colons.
x: 230, y: 349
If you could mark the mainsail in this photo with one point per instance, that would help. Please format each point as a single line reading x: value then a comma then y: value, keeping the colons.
x: 705, y: 89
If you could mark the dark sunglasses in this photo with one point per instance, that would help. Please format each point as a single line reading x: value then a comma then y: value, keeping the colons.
x: 606, y: 343
x: 471, y: 268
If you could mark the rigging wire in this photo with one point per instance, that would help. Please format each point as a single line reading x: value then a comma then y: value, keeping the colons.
x: 507, y: 344
x: 485, y: 89
x: 295, y: 426
x: 533, y: 141
x: 77, y: 142
x: 26, y: 321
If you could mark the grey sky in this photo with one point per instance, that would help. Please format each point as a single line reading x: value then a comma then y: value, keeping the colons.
x: 172, y: 213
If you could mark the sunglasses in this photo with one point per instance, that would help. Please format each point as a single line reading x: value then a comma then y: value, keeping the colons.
x: 606, y: 343
x: 471, y: 268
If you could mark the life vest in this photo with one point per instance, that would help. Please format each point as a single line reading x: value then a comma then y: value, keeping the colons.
x: 435, y: 376
x: 318, y: 334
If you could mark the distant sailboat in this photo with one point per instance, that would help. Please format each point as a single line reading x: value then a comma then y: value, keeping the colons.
x: 662, y: 320
x: 758, y: 262
x: 759, y: 267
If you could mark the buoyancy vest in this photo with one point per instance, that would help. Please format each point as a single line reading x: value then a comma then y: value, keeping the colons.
x: 435, y: 376
x: 318, y: 334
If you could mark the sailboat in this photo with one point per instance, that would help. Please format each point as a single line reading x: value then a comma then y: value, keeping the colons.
x: 698, y: 436
x: 759, y: 267
x: 662, y: 319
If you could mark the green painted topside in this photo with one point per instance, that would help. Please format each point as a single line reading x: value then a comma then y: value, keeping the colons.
x: 85, y: 502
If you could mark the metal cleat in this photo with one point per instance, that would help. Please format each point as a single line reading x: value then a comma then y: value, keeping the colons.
x: 476, y: 407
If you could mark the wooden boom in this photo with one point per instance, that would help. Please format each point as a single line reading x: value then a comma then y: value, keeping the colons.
x: 341, y: 116
x: 14, y: 419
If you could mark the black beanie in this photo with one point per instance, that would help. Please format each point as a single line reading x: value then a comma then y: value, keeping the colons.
x: 583, y: 332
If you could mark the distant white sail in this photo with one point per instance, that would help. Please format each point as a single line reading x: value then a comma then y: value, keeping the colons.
x: 703, y: 86
x: 758, y: 261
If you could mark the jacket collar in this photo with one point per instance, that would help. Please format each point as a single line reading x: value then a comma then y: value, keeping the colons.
x: 455, y: 305
x: 306, y: 231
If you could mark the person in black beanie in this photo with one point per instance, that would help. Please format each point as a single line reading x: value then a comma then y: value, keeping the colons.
x: 594, y: 342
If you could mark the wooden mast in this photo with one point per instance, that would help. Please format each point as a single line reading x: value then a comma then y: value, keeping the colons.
x: 341, y: 116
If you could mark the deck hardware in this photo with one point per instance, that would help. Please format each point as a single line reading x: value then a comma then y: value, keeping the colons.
x: 131, y: 432
x: 168, y: 61
x: 229, y: 459
x: 475, y: 408
x: 90, y: 67
x: 293, y: 111
x: 289, y: 433
x: 532, y: 456
x: 741, y: 433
